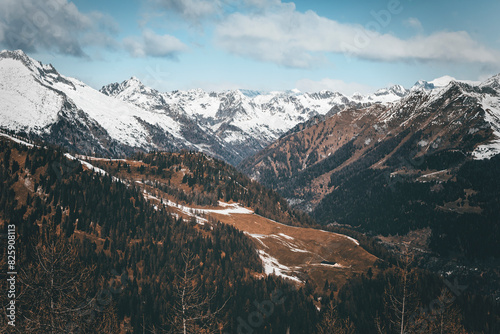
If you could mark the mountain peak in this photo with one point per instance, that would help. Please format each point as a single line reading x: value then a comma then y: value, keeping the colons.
x: 45, y: 72
x: 397, y: 90
x: 442, y: 81
x: 134, y: 79
x: 422, y: 85
x: 18, y: 55
x: 493, y: 82
x: 18, y: 52
x: 433, y: 84
x: 132, y: 82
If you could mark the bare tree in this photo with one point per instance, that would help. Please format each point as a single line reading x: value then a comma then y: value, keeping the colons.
x: 401, y: 300
x: 56, y: 290
x: 380, y: 328
x: 332, y: 324
x: 443, y: 318
x: 191, y: 312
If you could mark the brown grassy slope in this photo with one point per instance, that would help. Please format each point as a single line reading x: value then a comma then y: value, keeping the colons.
x: 300, y: 249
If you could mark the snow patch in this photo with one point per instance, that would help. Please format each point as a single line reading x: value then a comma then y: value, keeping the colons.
x: 229, y: 209
x: 19, y: 141
x: 353, y: 240
x: 286, y: 236
x: 88, y: 165
x: 336, y: 265
x: 423, y: 143
x: 272, y: 266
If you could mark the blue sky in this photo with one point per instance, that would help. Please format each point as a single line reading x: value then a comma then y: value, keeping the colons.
x: 216, y: 45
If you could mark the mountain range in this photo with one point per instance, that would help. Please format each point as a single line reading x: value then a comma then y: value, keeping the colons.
x: 380, y: 177
x: 331, y: 155
x: 124, y: 117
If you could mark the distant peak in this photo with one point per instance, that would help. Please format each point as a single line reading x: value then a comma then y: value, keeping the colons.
x: 116, y: 88
x: 422, y: 85
x: 442, y: 81
x: 493, y: 82
x: 133, y: 80
x: 395, y: 90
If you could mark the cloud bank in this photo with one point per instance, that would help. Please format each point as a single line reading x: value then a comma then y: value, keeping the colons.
x: 151, y: 44
x: 54, y: 25
x: 294, y: 39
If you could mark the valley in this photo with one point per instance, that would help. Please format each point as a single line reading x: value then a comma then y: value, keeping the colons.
x: 292, y: 252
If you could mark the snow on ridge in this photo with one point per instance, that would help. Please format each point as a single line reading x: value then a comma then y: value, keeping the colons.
x: 491, y: 107
x: 122, y: 108
x: 442, y: 81
x: 353, y: 240
x: 37, y: 93
x: 88, y: 165
x: 258, y: 115
x: 25, y: 104
x: 19, y: 141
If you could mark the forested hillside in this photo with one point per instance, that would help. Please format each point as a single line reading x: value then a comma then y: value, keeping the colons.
x: 133, y: 250
x: 110, y: 258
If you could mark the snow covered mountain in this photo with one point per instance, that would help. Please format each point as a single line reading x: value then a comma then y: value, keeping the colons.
x: 439, y: 83
x: 128, y: 116
x: 246, y: 121
x: 124, y: 117
x: 37, y: 100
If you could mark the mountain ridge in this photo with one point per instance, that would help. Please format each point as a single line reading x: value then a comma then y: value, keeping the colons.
x: 126, y: 117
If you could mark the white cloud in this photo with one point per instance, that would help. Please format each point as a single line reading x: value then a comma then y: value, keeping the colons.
x: 291, y: 38
x: 413, y: 22
x: 54, y: 25
x: 261, y: 4
x: 191, y: 10
x: 151, y: 44
x: 333, y: 85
